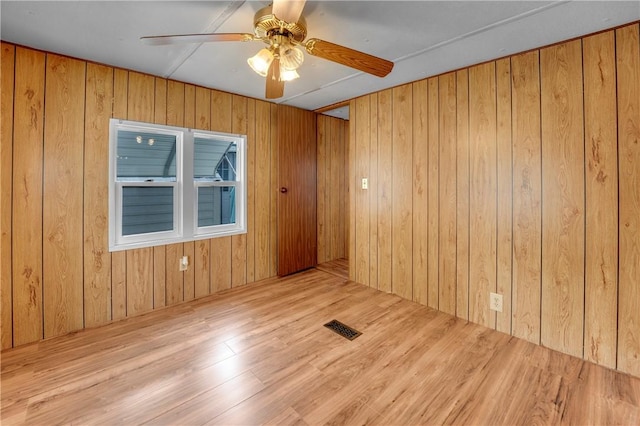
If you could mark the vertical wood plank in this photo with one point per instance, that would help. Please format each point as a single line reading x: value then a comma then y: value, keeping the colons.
x: 221, y: 111
x: 160, y: 101
x: 202, y: 268
x: 628, y: 80
x: 562, y: 198
x: 601, y: 179
x: 334, y: 184
x: 329, y: 193
x: 28, y: 128
x: 420, y: 190
x: 239, y: 242
x: 160, y: 252
x: 174, y: 292
x: 344, y: 186
x: 202, y: 248
x: 433, y: 226
x: 139, y: 284
x: 190, y: 119
x: 220, y: 264
x: 273, y: 192
x: 505, y: 191
x: 118, y: 285
x: 361, y: 205
x: 262, y: 191
x: 385, y: 189
x: 322, y: 189
x: 139, y: 281
x: 321, y: 176
x: 188, y: 248
x: 159, y: 277
x: 462, y: 194
x: 483, y: 189
x: 527, y: 196
x: 97, y: 259
x: 175, y: 103
x: 251, y: 191
x: 174, y: 287
x: 120, y: 93
x: 119, y: 258
x: 6, y: 192
x: 374, y: 183
x: 353, y: 115
x: 141, y: 97
x: 202, y: 111
x: 447, y: 194
x: 344, y: 213
x: 402, y: 209
x: 62, y: 201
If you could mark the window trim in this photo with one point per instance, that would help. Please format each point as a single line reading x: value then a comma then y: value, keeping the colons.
x: 185, y: 189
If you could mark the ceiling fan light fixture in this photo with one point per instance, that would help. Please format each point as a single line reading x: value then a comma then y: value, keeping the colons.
x: 291, y: 57
x: 261, y: 61
x: 283, y: 28
x: 288, y: 75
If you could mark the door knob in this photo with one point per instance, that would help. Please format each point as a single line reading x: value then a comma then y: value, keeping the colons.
x: 283, y: 190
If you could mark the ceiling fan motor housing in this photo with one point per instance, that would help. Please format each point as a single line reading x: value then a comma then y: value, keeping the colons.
x: 267, y: 24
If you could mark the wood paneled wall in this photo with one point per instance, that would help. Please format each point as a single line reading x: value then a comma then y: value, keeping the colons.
x: 58, y: 275
x: 333, y: 200
x: 519, y: 176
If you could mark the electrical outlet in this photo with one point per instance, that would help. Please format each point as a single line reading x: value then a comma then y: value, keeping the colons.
x: 495, y: 302
x: 365, y: 183
x: 184, y: 263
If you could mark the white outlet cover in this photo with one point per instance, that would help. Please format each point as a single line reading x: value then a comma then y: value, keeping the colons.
x: 184, y: 263
x: 495, y: 302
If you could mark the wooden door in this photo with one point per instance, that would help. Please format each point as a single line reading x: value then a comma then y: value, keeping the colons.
x: 297, y: 239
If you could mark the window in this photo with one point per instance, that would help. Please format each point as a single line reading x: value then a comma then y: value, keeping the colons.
x: 170, y: 184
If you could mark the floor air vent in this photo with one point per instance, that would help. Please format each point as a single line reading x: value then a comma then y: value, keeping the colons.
x: 342, y: 329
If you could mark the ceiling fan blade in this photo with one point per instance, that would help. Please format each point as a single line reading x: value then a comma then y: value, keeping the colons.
x: 349, y: 57
x: 195, y: 38
x: 275, y: 87
x: 288, y: 10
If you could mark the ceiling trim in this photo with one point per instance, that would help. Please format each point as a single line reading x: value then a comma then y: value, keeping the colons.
x: 332, y: 106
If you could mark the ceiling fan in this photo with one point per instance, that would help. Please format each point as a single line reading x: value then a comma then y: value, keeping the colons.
x: 283, y: 28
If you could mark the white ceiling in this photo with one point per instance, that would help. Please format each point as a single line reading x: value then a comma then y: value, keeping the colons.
x: 422, y: 38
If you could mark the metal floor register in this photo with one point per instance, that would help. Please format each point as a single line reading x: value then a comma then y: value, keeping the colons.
x: 342, y: 329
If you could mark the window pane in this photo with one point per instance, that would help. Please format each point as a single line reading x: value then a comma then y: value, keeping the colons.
x: 214, y: 160
x: 143, y: 156
x: 146, y: 209
x: 216, y: 205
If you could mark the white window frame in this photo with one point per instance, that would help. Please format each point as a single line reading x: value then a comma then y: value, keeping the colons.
x: 239, y: 184
x: 185, y: 189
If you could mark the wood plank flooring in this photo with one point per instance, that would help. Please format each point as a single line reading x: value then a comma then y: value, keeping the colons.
x: 259, y: 354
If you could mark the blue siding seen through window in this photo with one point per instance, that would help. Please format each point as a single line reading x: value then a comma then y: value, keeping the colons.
x: 146, y: 209
x: 216, y: 205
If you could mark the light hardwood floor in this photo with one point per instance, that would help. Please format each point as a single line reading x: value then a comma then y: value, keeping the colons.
x: 259, y: 354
